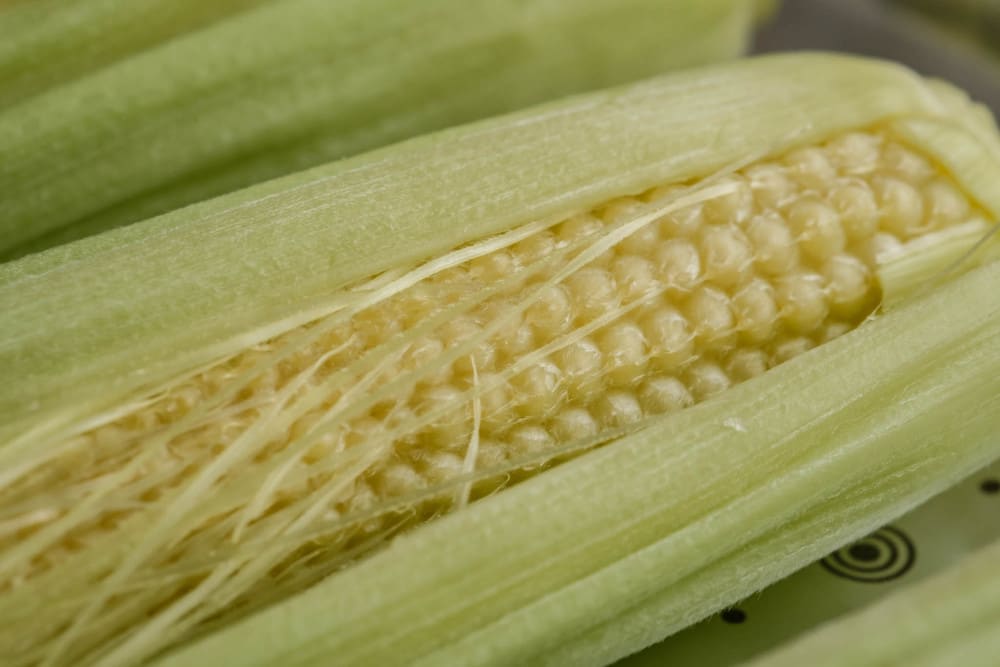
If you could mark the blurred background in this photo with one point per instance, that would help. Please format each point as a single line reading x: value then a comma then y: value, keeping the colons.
x: 957, y: 40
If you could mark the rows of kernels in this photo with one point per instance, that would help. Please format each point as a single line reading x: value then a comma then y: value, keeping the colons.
x: 703, y: 297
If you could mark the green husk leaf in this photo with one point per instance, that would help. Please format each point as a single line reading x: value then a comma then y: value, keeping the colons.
x: 45, y: 43
x: 952, y: 618
x: 289, y: 85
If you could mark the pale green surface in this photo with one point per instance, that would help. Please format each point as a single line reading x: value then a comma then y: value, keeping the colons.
x: 953, y: 618
x: 610, y: 552
x: 89, y: 322
x: 296, y: 83
x: 942, y: 532
x: 44, y: 43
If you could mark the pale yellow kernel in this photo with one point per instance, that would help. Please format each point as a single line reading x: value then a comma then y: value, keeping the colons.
x: 264, y: 383
x: 734, y: 207
x: 422, y: 351
x: 858, y: 209
x: 681, y: 222
x: 679, y: 263
x: 635, y: 276
x: 180, y: 401
x: 849, y: 283
x: 726, y: 255
x: 664, y: 393
x: 855, y: 153
x: 802, y: 301
x: 707, y: 379
x: 492, y: 267
x: 746, y: 363
x: 221, y: 432
x: 146, y: 419
x: 110, y: 434
x: 491, y: 455
x: 397, y: 479
x: 377, y: 325
x: 494, y: 399
x: 361, y: 498
x: 453, y: 415
x: 440, y: 466
x: 661, y: 194
x: 593, y: 292
x: 817, y: 227
x: 617, y: 408
x: 455, y: 277
x: 669, y: 336
x: 536, y: 388
x: 461, y: 330
x: 515, y: 336
x: 573, y: 424
x: 365, y: 430
x: 810, y: 168
x: 906, y: 164
x: 710, y: 312
x: 944, y: 204
x: 418, y: 303
x: 771, y: 186
x: 775, y: 250
x: 581, y: 363
x: 879, y: 248
x: 791, y: 348
x: 901, y: 207
x: 579, y: 227
x: 529, y: 439
x: 621, y: 210
x: 833, y: 330
x: 640, y: 242
x: 535, y: 247
x: 399, y: 420
x: 756, y: 311
x: 624, y: 349
x: 552, y: 313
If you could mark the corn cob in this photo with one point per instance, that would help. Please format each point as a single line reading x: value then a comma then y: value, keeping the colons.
x: 287, y: 85
x: 952, y: 618
x: 197, y: 432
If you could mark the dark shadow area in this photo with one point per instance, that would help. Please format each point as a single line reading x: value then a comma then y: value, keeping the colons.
x: 885, y: 30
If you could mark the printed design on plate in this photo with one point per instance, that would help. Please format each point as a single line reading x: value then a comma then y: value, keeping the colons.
x: 884, y: 555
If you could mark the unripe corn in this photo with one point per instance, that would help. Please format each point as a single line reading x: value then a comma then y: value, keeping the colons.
x: 469, y: 341
x: 147, y: 107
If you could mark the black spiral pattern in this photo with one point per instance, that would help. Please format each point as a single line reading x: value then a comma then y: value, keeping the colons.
x: 884, y: 555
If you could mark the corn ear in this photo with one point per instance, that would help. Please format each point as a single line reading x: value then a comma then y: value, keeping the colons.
x: 952, y: 618
x: 222, y: 406
x: 314, y: 233
x: 280, y: 86
x: 609, y: 553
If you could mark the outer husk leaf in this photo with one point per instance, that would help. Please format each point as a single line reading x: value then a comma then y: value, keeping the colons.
x: 289, y: 85
x: 44, y: 43
x: 952, y: 618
